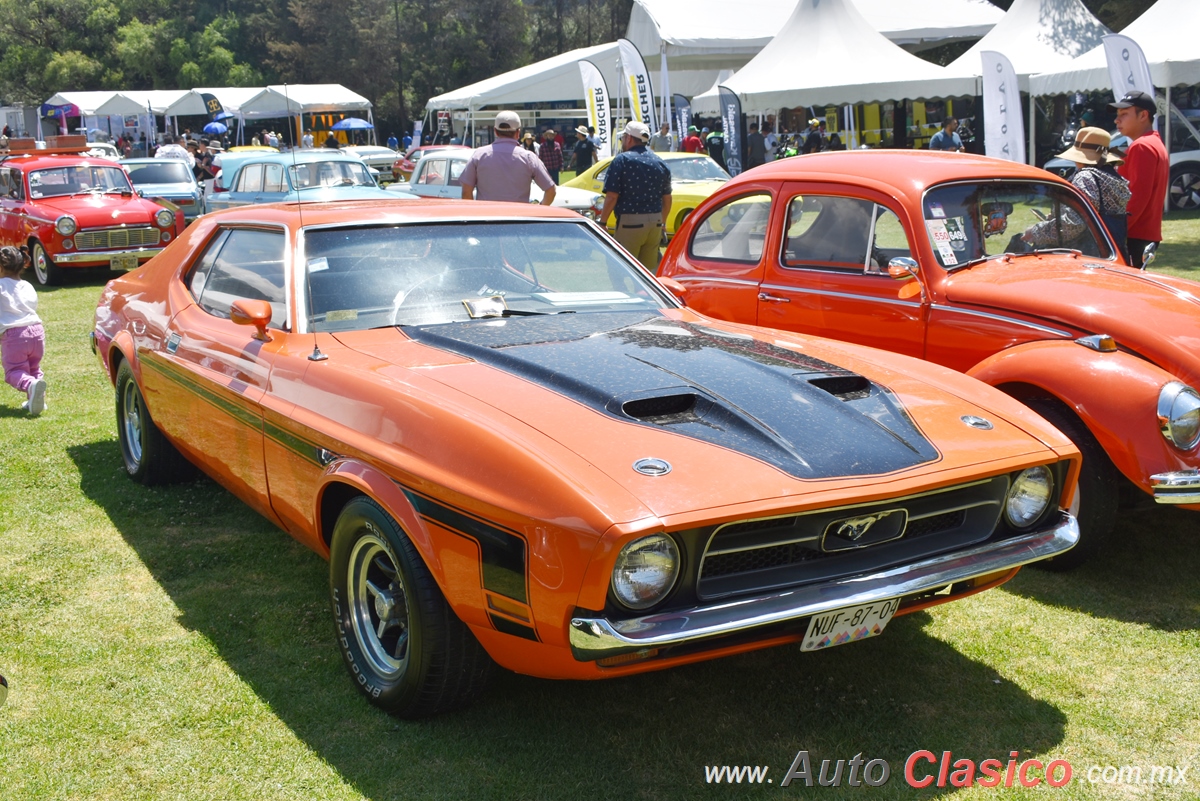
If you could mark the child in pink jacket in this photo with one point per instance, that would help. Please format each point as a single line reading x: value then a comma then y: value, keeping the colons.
x: 22, y: 338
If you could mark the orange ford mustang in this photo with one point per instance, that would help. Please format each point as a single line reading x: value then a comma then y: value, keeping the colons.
x: 514, y: 447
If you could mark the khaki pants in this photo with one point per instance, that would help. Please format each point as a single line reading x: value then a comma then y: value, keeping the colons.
x: 641, y: 235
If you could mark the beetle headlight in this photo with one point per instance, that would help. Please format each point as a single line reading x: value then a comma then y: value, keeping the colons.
x: 65, y: 225
x: 645, y: 572
x: 1029, y: 496
x: 1179, y: 415
x: 165, y: 218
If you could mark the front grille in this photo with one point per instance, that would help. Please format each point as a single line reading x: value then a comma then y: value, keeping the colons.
x: 755, y: 555
x: 116, y: 238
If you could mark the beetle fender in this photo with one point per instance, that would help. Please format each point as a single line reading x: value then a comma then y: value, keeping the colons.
x: 1114, y: 394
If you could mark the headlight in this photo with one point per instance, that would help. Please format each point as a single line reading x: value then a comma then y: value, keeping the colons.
x: 645, y: 572
x: 1179, y: 415
x: 165, y: 218
x: 65, y: 225
x: 1028, y: 497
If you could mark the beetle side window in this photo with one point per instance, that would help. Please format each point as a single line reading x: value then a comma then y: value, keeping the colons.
x: 734, y: 231
x: 828, y: 232
x: 888, y: 240
x: 251, y: 178
x: 241, y: 263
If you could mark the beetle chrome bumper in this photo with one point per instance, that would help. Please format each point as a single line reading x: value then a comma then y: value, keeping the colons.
x: 1180, y: 487
x: 103, y: 256
x: 596, y: 638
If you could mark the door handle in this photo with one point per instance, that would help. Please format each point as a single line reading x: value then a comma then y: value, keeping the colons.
x: 773, y: 298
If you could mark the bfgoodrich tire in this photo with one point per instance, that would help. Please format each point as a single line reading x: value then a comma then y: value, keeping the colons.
x: 404, y: 647
x: 149, y: 458
x: 1095, y: 504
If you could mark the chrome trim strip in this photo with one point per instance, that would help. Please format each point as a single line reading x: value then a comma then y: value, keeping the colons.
x: 711, y: 280
x: 1044, y: 329
x: 596, y: 638
x: 103, y: 255
x: 849, y: 295
x: 1174, y: 488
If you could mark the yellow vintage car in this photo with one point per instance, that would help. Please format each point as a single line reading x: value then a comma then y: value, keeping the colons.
x: 694, y: 176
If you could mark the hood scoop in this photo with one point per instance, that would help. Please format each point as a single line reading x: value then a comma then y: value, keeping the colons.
x: 666, y: 409
x: 843, y: 387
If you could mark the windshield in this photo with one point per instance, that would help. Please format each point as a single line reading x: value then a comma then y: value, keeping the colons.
x: 701, y: 168
x: 360, y: 278
x: 80, y: 178
x: 329, y: 173
x: 970, y: 221
x: 165, y: 171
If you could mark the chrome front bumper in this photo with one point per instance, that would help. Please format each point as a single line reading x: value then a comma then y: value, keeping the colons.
x: 1180, y: 487
x: 596, y: 638
x: 103, y: 256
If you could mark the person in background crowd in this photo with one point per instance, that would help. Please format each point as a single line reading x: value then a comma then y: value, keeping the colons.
x: 306, y: 141
x: 756, y: 147
x: 947, y: 139
x: 174, y: 149
x: 692, y: 142
x: 771, y: 141
x: 664, y: 140
x: 592, y: 136
x: 393, y: 142
x: 638, y: 189
x: 504, y: 170
x: 583, y: 156
x: 551, y: 154
x: 528, y: 143
x: 1148, y: 170
x: 812, y: 139
x: 203, y: 168
x: 22, y: 338
x: 835, y: 141
x: 714, y: 143
x: 407, y: 142
x: 331, y: 142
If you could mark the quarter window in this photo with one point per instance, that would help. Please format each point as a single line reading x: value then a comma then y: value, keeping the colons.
x: 251, y: 179
x: 241, y: 264
x: 734, y: 231
x: 433, y: 172
x: 273, y: 178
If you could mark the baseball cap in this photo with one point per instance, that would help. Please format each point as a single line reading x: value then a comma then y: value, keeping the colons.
x: 693, y: 129
x: 1136, y: 100
x: 507, y: 121
x: 637, y: 130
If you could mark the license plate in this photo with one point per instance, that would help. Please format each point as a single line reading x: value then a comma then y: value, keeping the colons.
x: 123, y: 261
x: 848, y: 625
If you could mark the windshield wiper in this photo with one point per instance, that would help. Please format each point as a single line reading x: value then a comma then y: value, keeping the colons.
x: 1012, y: 253
x: 521, y: 313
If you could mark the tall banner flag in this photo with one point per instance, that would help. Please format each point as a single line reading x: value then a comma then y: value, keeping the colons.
x: 1127, y: 66
x: 731, y: 121
x: 1003, y: 128
x: 683, y: 118
x: 212, y: 105
x: 664, y: 89
x: 637, y: 79
x: 595, y: 93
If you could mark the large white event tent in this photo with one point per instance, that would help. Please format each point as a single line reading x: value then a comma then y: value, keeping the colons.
x: 827, y: 54
x: 1037, y: 36
x: 702, y: 37
x: 1169, y: 35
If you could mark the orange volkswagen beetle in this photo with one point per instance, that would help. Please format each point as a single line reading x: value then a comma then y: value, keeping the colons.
x: 514, y: 447
x: 1008, y: 276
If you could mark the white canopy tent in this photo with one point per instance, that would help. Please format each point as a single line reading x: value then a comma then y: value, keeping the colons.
x: 1167, y: 33
x: 787, y: 73
x: 89, y: 103
x: 1037, y: 36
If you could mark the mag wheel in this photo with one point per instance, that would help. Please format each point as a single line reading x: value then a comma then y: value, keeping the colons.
x: 1184, y: 189
x: 149, y: 458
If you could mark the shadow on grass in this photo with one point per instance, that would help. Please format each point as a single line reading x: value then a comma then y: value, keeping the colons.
x: 1146, y: 573
x: 261, y: 599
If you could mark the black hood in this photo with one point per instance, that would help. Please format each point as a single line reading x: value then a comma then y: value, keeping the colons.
x: 803, y: 415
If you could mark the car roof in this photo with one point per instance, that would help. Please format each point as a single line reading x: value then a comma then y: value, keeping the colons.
x: 35, y: 161
x: 151, y: 160
x: 905, y: 171
x: 385, y: 212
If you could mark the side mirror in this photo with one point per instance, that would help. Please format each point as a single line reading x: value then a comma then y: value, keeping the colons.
x: 676, y: 288
x: 902, y: 268
x: 252, y: 312
x: 1148, y: 254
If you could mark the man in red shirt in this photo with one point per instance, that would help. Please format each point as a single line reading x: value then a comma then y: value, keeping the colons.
x: 692, y: 142
x: 1147, y: 168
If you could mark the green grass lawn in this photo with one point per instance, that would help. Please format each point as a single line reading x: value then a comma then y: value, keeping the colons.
x: 170, y: 644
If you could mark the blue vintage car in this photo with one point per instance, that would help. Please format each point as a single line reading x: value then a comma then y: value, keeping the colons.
x: 314, y: 175
x: 167, y: 179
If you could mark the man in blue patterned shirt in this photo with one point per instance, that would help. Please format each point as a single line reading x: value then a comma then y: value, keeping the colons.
x: 638, y: 189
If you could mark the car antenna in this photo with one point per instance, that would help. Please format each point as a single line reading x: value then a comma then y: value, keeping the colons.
x: 316, y: 355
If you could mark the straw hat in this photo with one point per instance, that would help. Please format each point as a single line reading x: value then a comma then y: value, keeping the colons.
x: 1091, y: 147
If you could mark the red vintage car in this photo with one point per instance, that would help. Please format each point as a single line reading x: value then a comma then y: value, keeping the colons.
x: 76, y: 211
x: 513, y: 446
x: 1008, y: 275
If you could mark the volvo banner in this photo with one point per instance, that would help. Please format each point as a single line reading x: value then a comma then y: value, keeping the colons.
x: 595, y: 93
x: 1127, y: 66
x: 731, y: 121
x: 637, y: 81
x: 1003, y: 128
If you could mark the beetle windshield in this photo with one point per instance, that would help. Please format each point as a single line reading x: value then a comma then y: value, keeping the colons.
x: 970, y: 221
x: 72, y: 180
x: 162, y: 171
x: 369, y: 277
x: 318, y: 174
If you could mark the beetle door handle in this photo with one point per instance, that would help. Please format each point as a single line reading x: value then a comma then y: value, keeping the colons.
x: 773, y: 298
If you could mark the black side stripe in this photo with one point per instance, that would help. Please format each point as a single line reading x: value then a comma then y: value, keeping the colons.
x: 502, y: 551
x: 183, y: 378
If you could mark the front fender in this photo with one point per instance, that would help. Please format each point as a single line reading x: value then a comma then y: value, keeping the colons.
x: 1114, y: 394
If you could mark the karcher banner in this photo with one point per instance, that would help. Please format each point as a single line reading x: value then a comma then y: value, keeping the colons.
x: 637, y: 80
x: 595, y: 93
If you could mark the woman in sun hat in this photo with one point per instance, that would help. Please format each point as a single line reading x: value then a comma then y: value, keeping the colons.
x: 1099, y: 182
